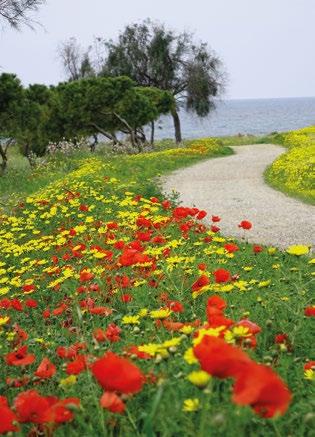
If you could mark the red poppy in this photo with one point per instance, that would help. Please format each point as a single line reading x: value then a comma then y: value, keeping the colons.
x: 245, y: 224
x: 175, y: 306
x: 281, y: 338
x: 134, y: 350
x: 202, y: 266
x: 180, y: 212
x: 59, y: 410
x: 103, y: 311
x: 20, y: 357
x: 46, y: 314
x: 8, y: 418
x: 201, y: 282
x: 251, y: 326
x: 117, y: 374
x: 20, y: 334
x: 166, y: 204
x: 112, y: 333
x: 28, y: 288
x: 112, y: 402
x: 144, y: 236
x: 31, y: 407
x: 215, y: 228
x: 99, y: 335
x: 214, y: 311
x: 217, y: 320
x: 17, y: 382
x: 201, y: 215
x: 86, y: 276
x: 119, y: 245
x: 126, y: 298
x: 123, y: 281
x: 215, y: 218
x: 5, y: 303
x: 310, y: 311
x: 257, y: 249
x: 132, y: 256
x: 112, y: 225
x: 84, y: 207
x: 77, y: 366
x: 231, y: 247
x: 219, y: 358
x: 46, y: 369
x: 259, y: 387
x: 16, y: 305
x: 159, y: 239
x: 69, y: 353
x: 309, y: 365
x: 170, y: 325
x: 31, y: 303
x: 216, y: 303
x: 222, y: 275
x: 142, y: 222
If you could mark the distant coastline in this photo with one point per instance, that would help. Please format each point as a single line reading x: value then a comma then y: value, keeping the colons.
x: 246, y: 116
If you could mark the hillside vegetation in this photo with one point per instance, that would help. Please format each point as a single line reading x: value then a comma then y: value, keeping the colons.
x: 124, y: 314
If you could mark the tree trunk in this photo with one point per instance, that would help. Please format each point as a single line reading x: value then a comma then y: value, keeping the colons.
x: 110, y: 136
x: 152, y: 133
x: 176, y: 120
x: 94, y: 144
x: 4, y: 162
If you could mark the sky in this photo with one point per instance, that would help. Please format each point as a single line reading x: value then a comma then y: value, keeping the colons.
x: 267, y: 46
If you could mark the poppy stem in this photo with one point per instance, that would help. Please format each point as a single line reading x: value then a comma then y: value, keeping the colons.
x: 132, y: 422
x: 204, y: 412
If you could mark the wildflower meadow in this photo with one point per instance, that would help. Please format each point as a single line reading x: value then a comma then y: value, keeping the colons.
x: 124, y: 313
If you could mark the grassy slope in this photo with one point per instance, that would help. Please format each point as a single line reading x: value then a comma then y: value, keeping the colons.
x: 276, y: 289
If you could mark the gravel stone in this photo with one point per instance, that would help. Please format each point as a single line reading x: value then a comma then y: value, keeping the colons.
x: 233, y: 187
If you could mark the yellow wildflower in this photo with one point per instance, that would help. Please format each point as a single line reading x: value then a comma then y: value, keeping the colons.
x: 309, y: 374
x: 298, y: 250
x: 199, y: 378
x: 131, y: 320
x: 189, y: 356
x: 68, y: 382
x: 191, y: 405
x: 160, y: 314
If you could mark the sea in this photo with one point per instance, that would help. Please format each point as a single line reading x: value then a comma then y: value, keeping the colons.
x: 246, y: 116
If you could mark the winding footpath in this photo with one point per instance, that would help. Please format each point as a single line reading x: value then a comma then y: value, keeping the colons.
x: 233, y: 187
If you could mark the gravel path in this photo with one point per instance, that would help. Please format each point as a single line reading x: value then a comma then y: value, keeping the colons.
x: 233, y: 187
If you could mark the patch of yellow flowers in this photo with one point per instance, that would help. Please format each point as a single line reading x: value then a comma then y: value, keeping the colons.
x: 294, y: 171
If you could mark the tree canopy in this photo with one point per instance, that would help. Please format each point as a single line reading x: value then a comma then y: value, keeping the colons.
x: 107, y: 106
x: 154, y: 56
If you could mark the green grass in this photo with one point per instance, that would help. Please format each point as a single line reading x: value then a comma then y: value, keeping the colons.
x: 275, y: 290
x: 20, y: 179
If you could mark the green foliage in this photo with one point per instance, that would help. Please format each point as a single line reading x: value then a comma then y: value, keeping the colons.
x: 38, y: 115
x: 11, y: 94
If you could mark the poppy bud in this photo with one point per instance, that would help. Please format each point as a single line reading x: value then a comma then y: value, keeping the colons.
x: 309, y: 418
x: 218, y: 420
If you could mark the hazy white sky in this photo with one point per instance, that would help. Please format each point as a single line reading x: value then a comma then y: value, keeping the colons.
x: 267, y: 45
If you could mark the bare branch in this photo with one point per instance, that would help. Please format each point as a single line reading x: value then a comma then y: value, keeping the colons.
x: 16, y: 12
